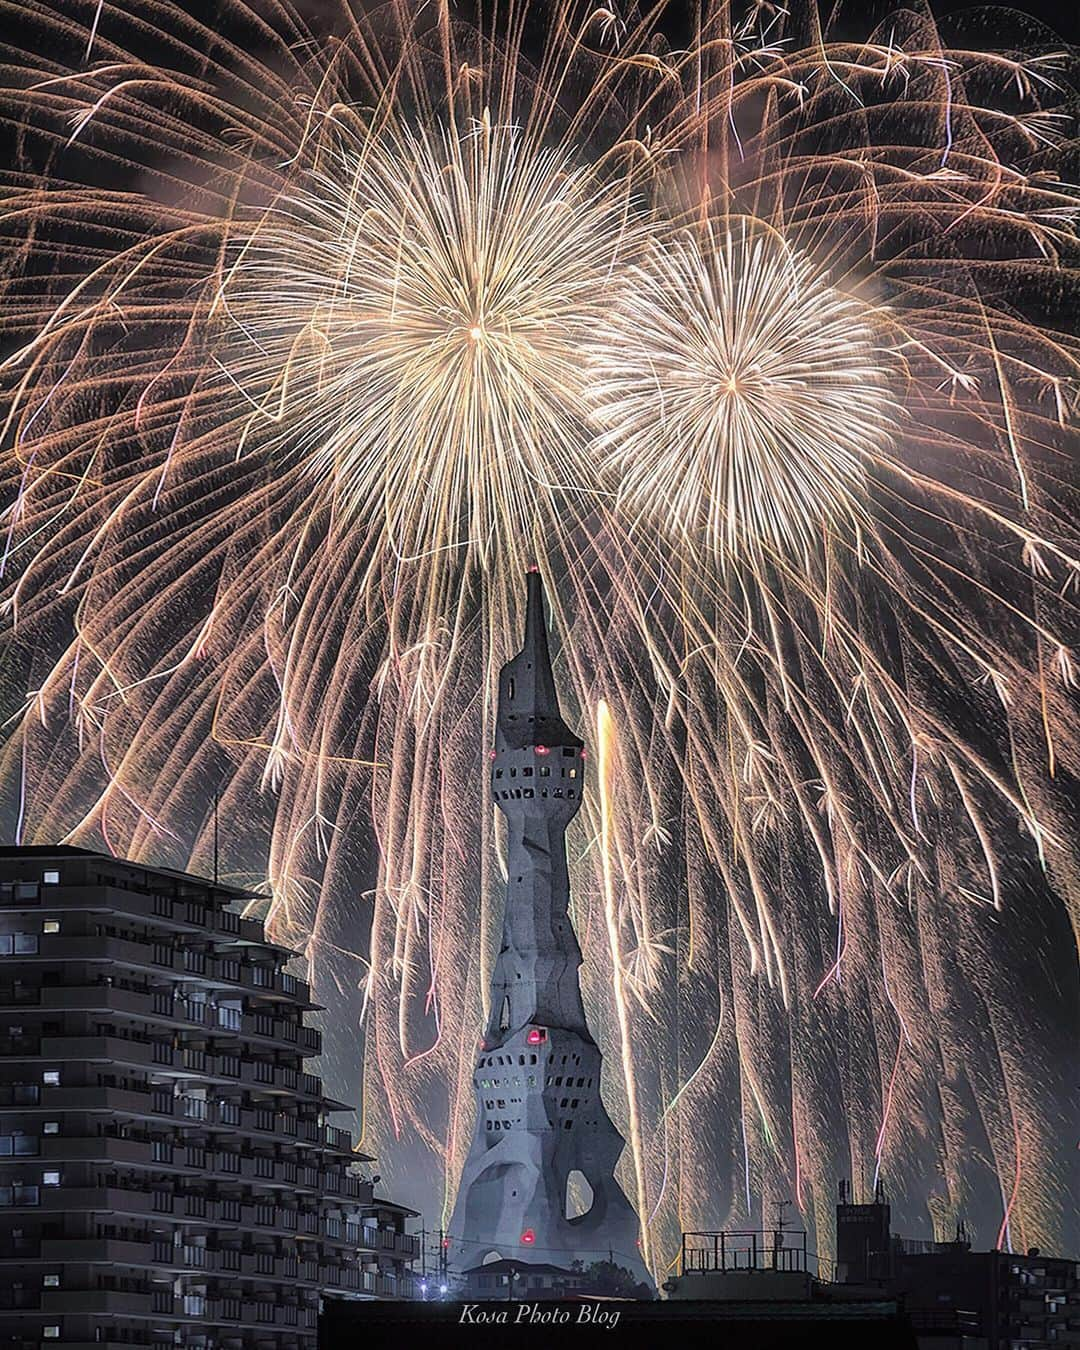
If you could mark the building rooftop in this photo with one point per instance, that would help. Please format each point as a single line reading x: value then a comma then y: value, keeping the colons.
x: 43, y: 851
x: 519, y: 1267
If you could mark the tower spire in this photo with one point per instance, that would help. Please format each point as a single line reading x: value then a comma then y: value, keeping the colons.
x: 529, y: 712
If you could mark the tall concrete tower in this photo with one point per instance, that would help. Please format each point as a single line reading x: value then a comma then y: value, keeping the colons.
x: 539, y: 1183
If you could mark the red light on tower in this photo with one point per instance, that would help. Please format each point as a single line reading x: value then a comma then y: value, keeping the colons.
x: 536, y: 1036
x: 541, y: 750
x: 528, y: 1237
x: 491, y: 754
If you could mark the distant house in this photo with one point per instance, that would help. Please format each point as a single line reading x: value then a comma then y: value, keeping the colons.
x: 531, y: 1280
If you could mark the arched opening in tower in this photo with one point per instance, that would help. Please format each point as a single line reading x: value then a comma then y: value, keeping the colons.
x: 579, y: 1195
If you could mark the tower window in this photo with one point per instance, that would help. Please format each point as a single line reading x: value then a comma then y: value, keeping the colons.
x: 568, y: 750
x: 510, y: 687
x: 504, y: 1017
x: 527, y: 771
x: 545, y: 771
x: 528, y: 792
x: 498, y: 773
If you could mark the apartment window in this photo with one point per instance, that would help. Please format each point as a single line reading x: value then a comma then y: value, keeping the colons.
x: 26, y: 944
x: 51, y: 878
x: 51, y: 1127
x: 51, y: 1077
x: 50, y: 1178
x: 51, y: 926
x: 50, y: 1281
x: 18, y: 1144
x: 51, y: 1332
x: 14, y: 942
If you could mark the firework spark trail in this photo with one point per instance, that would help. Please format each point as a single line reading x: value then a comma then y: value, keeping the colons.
x: 728, y: 333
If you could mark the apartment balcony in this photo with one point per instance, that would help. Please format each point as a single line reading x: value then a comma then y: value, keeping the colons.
x: 163, y: 955
x: 404, y: 1245
x: 247, y: 1312
x: 172, y: 912
x: 114, y: 1051
x: 110, y: 1251
x: 110, y: 1199
x: 100, y: 1302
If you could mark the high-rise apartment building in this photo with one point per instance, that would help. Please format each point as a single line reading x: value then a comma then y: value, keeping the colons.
x: 168, y: 1172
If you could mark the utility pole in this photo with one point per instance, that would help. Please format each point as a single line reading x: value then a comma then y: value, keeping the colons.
x: 778, y: 1235
x: 217, y: 796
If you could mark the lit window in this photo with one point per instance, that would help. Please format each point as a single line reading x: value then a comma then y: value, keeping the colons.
x: 51, y: 1127
x: 50, y: 1178
x: 51, y: 878
x: 51, y: 1332
x: 51, y: 1281
x: 51, y: 1077
x: 573, y: 773
x: 51, y: 926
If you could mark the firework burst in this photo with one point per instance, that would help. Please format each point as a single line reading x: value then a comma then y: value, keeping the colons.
x: 741, y: 395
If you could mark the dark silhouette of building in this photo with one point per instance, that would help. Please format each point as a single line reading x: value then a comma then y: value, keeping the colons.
x: 539, y: 1177
x: 956, y: 1298
x: 168, y: 1172
x: 863, y: 1238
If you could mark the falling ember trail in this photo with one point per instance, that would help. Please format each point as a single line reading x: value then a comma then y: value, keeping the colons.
x: 605, y: 770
